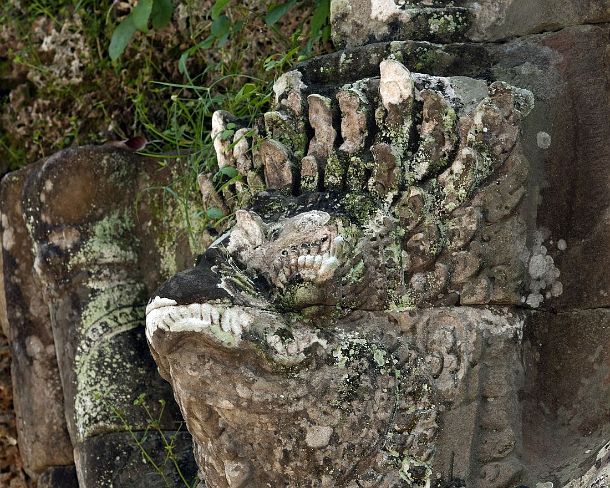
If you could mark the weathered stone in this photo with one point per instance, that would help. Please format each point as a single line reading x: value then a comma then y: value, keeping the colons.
x: 355, y: 115
x: 288, y: 90
x: 567, y: 397
x: 325, y: 323
x: 437, y: 136
x: 474, y: 357
x: 322, y: 144
x: 116, y: 460
x: 241, y: 151
x: 359, y: 22
x: 223, y: 124
x: 278, y: 163
x: 37, y: 389
x: 85, y: 249
x: 323, y: 419
x: 58, y: 477
x: 567, y: 199
x: 274, y: 306
x: 11, y: 464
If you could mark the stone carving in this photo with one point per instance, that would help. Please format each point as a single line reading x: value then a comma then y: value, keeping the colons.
x: 513, y: 384
x: 294, y: 329
x: 76, y: 298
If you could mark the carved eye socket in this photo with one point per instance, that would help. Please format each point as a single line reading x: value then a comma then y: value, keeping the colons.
x: 305, y: 245
x: 284, y: 252
x: 324, y: 239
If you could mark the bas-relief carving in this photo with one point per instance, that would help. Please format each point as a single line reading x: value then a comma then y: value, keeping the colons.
x: 306, y: 326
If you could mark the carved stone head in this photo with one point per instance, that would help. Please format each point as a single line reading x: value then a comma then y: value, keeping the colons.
x: 294, y: 347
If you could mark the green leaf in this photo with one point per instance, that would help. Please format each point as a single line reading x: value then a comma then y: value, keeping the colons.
x: 218, y: 8
x: 229, y: 171
x: 214, y: 213
x: 161, y: 14
x: 220, y: 27
x: 121, y: 37
x: 141, y: 13
x: 182, y: 61
x: 226, y: 134
x: 207, y: 43
x: 320, y: 17
x: 277, y: 12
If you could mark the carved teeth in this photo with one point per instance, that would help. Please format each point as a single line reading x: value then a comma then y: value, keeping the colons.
x: 337, y: 246
x: 225, y: 323
x: 327, y: 269
x: 317, y: 261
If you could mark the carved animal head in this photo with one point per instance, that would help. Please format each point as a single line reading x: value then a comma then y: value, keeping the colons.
x: 307, y: 245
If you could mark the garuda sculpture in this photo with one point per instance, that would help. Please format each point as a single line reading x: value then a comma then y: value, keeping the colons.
x: 356, y: 326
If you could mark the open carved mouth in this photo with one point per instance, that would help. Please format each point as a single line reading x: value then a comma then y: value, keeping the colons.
x: 315, y: 262
x: 227, y: 324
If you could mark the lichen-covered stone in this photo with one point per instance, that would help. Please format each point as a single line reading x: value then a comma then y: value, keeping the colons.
x: 78, y: 233
x: 359, y: 22
x: 309, y: 303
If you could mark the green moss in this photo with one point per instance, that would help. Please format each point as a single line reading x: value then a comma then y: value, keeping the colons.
x: 113, y: 309
x: 356, y: 273
x: 227, y: 338
x: 111, y: 241
x: 334, y: 171
x: 404, y: 302
x: 427, y: 58
x: 290, y: 132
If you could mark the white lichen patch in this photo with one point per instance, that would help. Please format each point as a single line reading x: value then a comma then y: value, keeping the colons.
x: 544, y: 275
x: 543, y: 139
x: 383, y: 10
x: 8, y: 235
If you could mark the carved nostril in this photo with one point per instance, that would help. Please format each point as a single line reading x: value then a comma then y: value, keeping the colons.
x: 284, y: 252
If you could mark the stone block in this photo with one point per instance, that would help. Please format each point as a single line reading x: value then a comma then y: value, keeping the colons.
x: 359, y: 22
x: 37, y: 389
